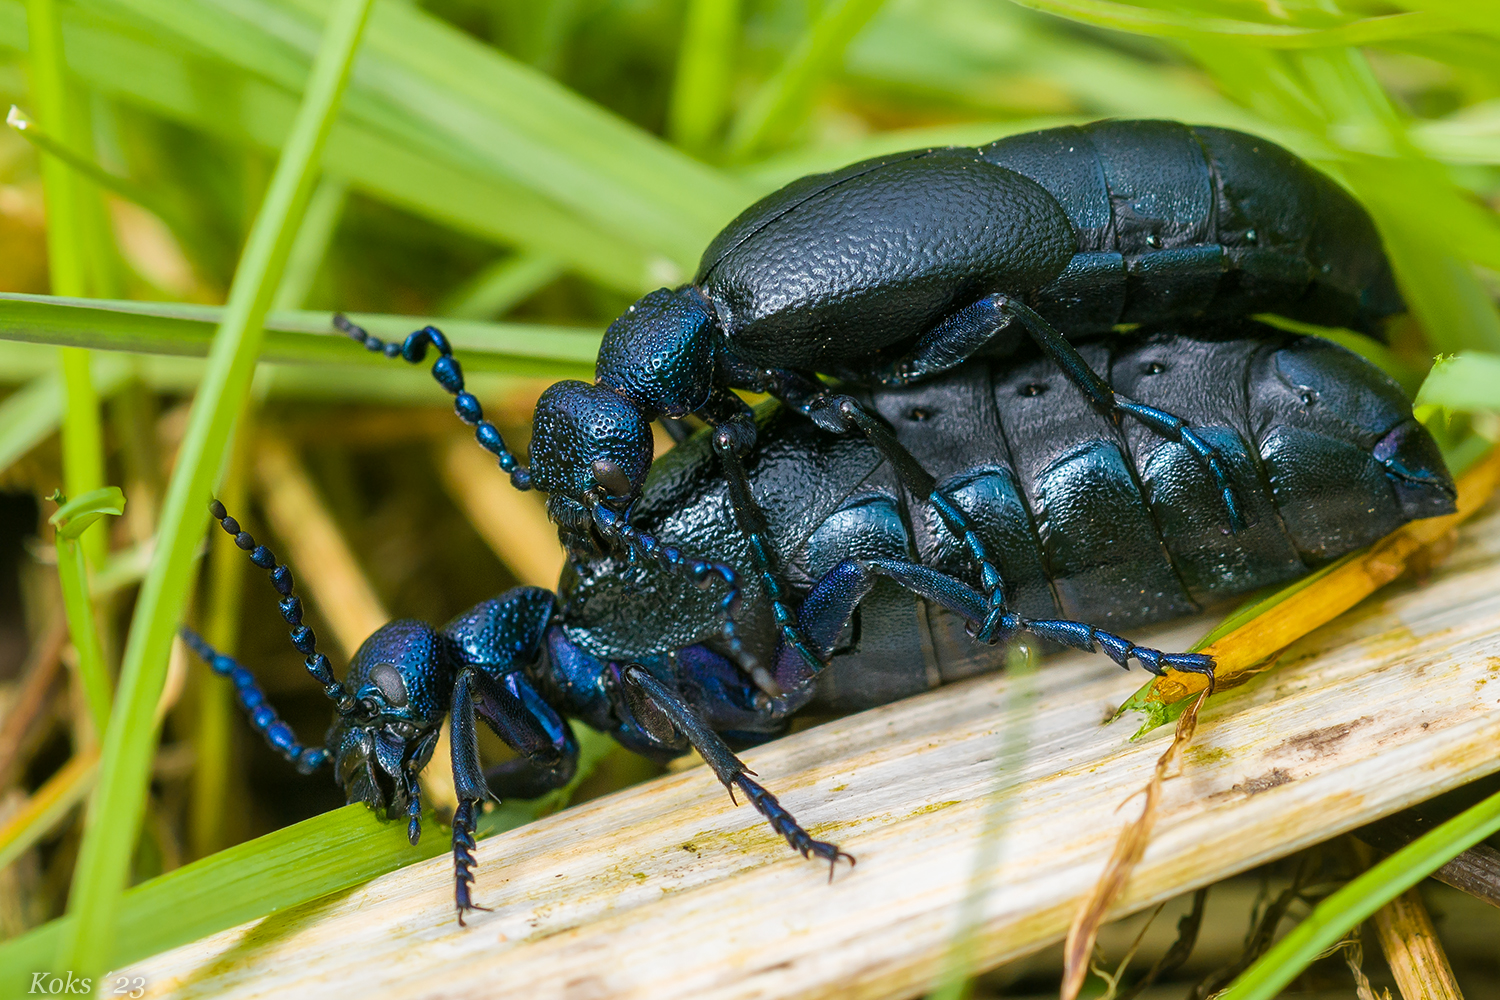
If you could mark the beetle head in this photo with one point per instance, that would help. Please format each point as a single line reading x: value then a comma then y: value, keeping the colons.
x: 660, y: 353
x: 398, y: 691
x: 588, y: 442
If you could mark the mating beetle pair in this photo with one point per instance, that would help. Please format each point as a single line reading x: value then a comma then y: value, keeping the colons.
x: 975, y: 499
x: 1081, y: 519
x: 896, y: 269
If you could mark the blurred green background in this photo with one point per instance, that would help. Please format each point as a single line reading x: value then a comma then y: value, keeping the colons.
x: 533, y: 167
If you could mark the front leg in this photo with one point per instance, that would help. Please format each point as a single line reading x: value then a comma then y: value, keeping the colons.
x: 734, y: 434
x: 469, y: 784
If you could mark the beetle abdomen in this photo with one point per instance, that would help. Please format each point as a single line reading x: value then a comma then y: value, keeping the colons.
x: 1176, y: 221
x: 837, y: 267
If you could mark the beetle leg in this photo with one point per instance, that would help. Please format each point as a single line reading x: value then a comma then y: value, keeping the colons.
x: 734, y: 433
x: 974, y: 326
x: 729, y: 769
x: 993, y: 623
x: 909, y: 471
x: 469, y: 783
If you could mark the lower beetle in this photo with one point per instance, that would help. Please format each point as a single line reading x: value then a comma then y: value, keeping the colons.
x: 1072, y: 518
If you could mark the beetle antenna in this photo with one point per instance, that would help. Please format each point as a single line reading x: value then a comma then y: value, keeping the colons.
x: 252, y: 698
x: 641, y: 547
x: 450, y: 376
x: 302, y: 636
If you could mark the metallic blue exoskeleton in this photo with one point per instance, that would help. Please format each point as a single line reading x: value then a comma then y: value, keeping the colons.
x: 1074, y: 521
x: 897, y: 269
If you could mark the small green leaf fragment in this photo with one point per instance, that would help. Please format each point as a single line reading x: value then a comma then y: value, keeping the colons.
x: 77, y: 514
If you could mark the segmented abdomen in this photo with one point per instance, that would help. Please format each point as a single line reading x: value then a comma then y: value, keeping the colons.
x: 1122, y: 528
x: 1175, y: 221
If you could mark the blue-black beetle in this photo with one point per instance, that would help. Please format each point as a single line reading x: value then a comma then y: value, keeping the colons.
x: 1072, y: 520
x: 896, y: 269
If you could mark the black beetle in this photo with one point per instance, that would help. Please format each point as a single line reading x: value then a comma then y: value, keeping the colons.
x: 1076, y: 517
x: 898, y: 268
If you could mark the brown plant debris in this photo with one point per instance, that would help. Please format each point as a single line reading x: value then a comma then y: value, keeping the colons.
x: 1129, y: 848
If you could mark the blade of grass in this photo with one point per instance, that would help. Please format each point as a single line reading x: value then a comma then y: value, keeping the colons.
x: 294, y: 865
x: 82, y: 165
x: 501, y: 286
x: 325, y: 854
x: 82, y: 436
x: 311, y: 246
x: 297, y: 337
x: 115, y: 811
x: 1468, y: 382
x: 1351, y: 905
x: 705, y: 66
x: 1357, y: 31
x: 73, y: 518
x: 781, y: 101
x: 464, y: 103
x: 212, y: 730
x: 239, y: 106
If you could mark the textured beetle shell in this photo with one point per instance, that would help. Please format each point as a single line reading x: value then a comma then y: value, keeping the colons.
x: 1084, y: 520
x: 1118, y: 222
x: 839, y: 265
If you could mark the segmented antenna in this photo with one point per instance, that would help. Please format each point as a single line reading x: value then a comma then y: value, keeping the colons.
x: 252, y: 698
x: 450, y: 376
x: 640, y: 547
x: 301, y: 635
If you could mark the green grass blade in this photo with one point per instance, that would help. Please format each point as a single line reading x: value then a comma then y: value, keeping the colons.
x: 85, y: 167
x: 188, y: 86
x: 311, y: 245
x: 705, y: 68
x: 291, y: 337
x: 82, y: 437
x: 115, y: 810
x: 1469, y: 382
x: 294, y: 865
x: 460, y: 102
x: 298, y: 863
x: 501, y: 286
x: 1357, y: 31
x: 93, y: 675
x: 1339, y: 913
x: 784, y: 98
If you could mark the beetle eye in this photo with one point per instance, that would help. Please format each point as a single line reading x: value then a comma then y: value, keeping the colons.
x: 1033, y: 389
x: 387, y: 678
x: 612, y: 478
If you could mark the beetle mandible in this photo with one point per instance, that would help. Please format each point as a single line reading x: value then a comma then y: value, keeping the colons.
x: 898, y: 268
x: 1322, y: 447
